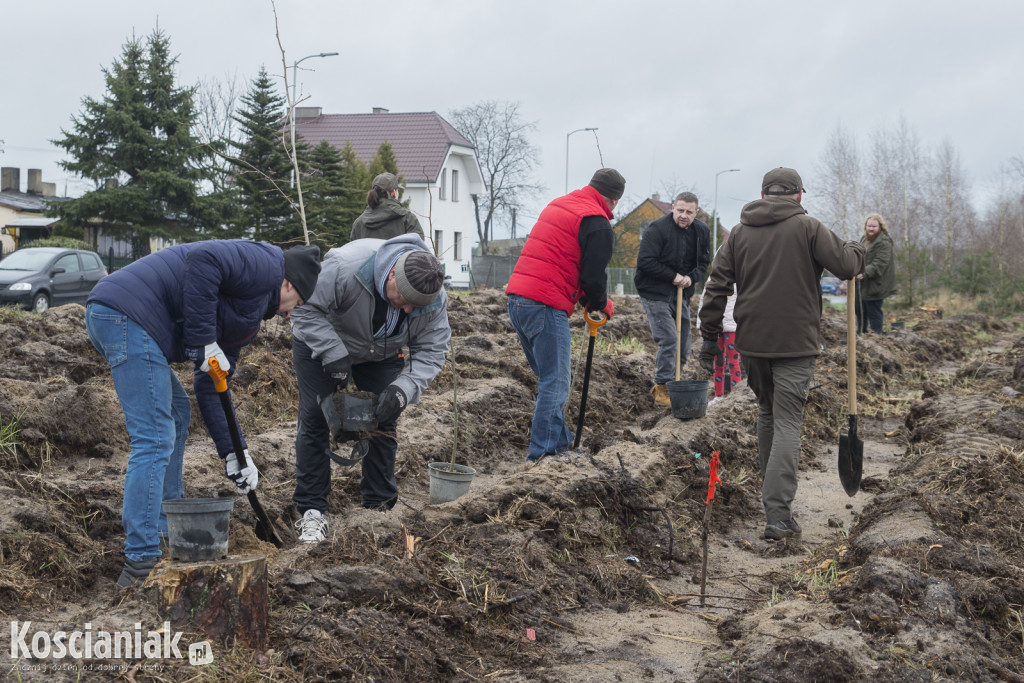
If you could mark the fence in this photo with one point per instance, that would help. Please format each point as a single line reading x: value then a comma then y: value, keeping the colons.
x: 621, y: 277
x: 494, y: 272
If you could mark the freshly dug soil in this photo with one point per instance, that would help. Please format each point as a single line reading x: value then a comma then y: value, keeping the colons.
x: 585, y: 567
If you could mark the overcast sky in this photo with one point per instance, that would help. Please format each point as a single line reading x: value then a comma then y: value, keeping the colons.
x: 678, y: 90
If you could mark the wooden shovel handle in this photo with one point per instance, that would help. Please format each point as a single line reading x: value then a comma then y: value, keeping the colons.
x: 679, y: 327
x: 851, y: 342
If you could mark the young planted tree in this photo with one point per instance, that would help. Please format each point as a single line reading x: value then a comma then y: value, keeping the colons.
x: 136, y: 145
x: 506, y: 156
x: 262, y: 169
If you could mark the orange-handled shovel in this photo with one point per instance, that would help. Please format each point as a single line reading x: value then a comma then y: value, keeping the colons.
x: 593, y: 324
x: 264, y: 529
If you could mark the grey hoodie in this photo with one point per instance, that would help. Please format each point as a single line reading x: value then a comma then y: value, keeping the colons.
x: 337, y: 320
x: 775, y: 257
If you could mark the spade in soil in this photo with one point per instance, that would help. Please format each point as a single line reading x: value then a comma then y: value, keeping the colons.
x: 851, y: 448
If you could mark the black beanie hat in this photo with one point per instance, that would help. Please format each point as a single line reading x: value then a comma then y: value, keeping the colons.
x: 419, y: 277
x: 301, y: 268
x: 609, y: 183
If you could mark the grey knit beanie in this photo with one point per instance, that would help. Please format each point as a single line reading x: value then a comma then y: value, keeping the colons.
x: 419, y: 277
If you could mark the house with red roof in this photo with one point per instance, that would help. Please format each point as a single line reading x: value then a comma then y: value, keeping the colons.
x: 438, y: 164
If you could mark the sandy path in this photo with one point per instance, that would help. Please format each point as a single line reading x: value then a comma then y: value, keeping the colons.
x: 673, y: 644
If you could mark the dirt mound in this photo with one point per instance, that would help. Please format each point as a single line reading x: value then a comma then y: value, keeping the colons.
x: 583, y: 567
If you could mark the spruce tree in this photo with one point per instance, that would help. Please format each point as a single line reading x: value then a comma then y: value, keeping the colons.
x: 136, y: 145
x: 385, y: 161
x: 327, y: 197
x: 262, y: 170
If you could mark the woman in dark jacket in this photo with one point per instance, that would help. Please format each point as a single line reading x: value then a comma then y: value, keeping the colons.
x: 878, y: 280
x: 384, y: 217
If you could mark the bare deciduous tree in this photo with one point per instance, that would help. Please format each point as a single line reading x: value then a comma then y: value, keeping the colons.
x: 506, y: 156
x: 216, y: 101
x: 838, y: 203
x: 951, y: 211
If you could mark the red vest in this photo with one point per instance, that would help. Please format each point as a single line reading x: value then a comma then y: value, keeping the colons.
x: 548, y: 270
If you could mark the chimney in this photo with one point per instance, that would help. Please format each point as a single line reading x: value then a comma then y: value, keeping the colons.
x: 10, y: 179
x: 308, y: 112
x: 35, y: 181
x: 49, y: 189
x: 656, y: 197
x: 380, y: 110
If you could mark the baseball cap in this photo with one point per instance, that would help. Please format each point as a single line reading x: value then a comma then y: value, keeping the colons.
x: 787, y: 178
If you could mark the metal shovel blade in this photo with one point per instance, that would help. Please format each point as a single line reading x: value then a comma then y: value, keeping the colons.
x: 851, y: 459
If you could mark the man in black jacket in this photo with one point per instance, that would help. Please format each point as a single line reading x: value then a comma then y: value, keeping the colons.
x: 674, y: 255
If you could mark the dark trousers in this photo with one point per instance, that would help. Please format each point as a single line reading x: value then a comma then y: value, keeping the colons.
x: 780, y: 385
x: 313, y: 440
x: 869, y: 314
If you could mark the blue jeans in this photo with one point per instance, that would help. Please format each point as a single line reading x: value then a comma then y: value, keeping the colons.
x: 157, y: 412
x: 544, y: 334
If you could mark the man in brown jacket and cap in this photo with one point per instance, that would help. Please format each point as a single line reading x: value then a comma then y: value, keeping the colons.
x: 775, y: 257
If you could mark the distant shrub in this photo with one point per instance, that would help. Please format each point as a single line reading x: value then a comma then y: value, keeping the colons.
x: 63, y: 242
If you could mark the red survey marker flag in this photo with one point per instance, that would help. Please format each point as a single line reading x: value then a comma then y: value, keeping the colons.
x: 713, y: 478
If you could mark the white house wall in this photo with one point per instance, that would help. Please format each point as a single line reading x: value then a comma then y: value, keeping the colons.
x: 449, y: 216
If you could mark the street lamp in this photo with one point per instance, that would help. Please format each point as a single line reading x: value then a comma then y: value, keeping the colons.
x: 567, y: 135
x: 714, y: 213
x: 295, y: 71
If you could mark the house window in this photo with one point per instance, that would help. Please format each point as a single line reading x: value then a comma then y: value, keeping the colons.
x: 438, y: 247
x: 455, y: 185
x: 442, y: 191
x: 458, y: 246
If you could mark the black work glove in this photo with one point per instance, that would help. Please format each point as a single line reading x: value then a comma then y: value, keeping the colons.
x: 390, y: 404
x: 339, y: 370
x: 709, y: 352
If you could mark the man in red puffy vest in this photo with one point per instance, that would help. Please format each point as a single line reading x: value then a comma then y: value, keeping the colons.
x: 563, y: 262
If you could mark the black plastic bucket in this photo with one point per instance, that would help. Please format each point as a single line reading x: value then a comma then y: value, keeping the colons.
x: 689, y: 398
x: 197, y: 528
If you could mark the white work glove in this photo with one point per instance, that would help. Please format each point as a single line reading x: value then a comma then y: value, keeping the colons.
x: 213, y: 351
x: 245, y: 478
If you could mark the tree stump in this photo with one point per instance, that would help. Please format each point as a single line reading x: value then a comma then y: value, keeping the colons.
x: 223, y: 598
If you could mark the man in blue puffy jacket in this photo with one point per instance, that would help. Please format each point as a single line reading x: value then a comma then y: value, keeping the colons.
x: 188, y: 302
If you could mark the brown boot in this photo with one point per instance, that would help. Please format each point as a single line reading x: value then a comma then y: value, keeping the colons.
x: 661, y: 398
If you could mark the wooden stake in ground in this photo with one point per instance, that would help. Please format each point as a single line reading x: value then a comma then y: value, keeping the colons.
x: 713, y: 480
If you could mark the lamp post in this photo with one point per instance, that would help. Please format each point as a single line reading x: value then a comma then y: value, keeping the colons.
x: 295, y: 71
x: 567, y: 135
x: 714, y: 213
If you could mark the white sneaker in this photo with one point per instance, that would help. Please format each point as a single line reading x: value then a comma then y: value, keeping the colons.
x: 312, y: 527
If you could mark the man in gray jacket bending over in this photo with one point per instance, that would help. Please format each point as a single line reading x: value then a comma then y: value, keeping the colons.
x: 373, y: 298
